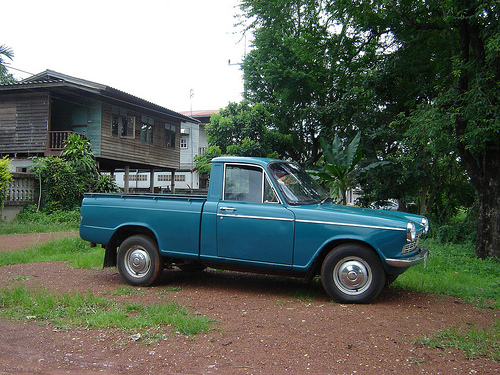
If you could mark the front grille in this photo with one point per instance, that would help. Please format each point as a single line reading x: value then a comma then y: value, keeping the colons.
x: 410, y: 247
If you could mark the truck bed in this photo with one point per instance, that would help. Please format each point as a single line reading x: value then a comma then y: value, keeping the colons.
x: 173, y: 219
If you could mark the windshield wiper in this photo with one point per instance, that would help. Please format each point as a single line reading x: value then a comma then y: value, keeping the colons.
x: 325, y: 199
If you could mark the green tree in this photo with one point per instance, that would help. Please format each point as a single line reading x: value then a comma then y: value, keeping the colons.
x: 5, y: 76
x: 78, y: 154
x: 5, y: 178
x: 451, y: 51
x: 383, y: 67
x: 59, y: 183
x: 66, y: 178
x: 246, y: 130
x: 338, y: 164
x: 308, y: 69
x: 204, y: 162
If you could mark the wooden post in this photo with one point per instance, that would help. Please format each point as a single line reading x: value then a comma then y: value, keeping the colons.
x: 151, y: 180
x: 126, y: 177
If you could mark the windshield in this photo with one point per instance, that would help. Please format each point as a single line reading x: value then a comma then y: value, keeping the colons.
x: 296, y: 185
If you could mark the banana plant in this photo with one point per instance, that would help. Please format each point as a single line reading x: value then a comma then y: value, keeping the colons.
x: 337, y: 165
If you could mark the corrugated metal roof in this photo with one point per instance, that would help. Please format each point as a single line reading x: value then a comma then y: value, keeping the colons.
x: 50, y: 78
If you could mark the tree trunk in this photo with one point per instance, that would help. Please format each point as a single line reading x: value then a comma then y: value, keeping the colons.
x: 488, y: 223
x: 483, y: 167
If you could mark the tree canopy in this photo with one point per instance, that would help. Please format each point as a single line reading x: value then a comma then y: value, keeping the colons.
x: 419, y: 80
x: 5, y: 53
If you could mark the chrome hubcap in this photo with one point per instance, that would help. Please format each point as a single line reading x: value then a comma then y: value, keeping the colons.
x: 137, y: 262
x: 352, y: 275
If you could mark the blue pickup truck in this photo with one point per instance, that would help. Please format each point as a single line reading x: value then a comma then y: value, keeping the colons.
x: 260, y: 215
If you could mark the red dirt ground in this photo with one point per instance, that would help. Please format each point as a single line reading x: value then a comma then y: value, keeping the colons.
x: 261, y: 325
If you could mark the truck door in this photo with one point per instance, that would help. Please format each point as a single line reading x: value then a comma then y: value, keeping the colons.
x: 252, y: 224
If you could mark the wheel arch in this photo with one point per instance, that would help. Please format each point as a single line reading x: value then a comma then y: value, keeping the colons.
x: 126, y: 231
x: 120, y: 235
x: 315, y: 269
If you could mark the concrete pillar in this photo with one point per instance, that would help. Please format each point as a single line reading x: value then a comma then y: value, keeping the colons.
x: 126, y: 182
x: 151, y: 180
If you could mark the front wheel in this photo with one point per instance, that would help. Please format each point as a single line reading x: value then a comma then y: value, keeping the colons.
x: 139, y: 261
x: 352, y: 273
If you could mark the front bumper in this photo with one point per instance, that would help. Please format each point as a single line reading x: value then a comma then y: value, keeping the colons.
x: 419, y: 257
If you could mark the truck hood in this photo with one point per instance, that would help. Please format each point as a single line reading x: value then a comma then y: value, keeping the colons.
x: 329, y: 212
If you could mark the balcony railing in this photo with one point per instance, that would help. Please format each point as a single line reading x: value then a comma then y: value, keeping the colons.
x: 56, y: 140
x: 22, y: 190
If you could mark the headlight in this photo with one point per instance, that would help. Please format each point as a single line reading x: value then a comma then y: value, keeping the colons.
x: 425, y: 223
x: 411, y: 231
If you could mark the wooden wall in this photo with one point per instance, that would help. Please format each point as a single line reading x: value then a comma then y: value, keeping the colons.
x: 133, y: 149
x: 23, y: 123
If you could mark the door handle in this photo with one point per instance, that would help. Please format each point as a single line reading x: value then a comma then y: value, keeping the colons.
x: 227, y: 208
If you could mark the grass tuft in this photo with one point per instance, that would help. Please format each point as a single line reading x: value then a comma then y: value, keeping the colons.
x: 69, y: 249
x: 30, y: 221
x: 455, y: 270
x: 90, y: 311
x: 473, y: 342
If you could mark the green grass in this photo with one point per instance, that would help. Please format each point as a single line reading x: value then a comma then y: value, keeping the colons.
x: 454, y: 270
x: 473, y: 342
x: 30, y: 221
x: 71, y: 249
x: 451, y: 270
x: 89, y: 311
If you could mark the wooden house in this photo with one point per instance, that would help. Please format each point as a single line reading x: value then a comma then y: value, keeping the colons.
x: 126, y: 132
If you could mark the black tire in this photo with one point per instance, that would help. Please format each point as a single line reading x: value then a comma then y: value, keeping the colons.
x: 139, y: 261
x: 352, y: 273
x: 390, y: 279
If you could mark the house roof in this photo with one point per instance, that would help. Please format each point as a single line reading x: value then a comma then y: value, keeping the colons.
x: 51, y: 79
x: 201, y: 113
x: 201, y: 116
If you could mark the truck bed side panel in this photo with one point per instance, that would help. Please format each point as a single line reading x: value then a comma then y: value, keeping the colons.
x: 174, y: 221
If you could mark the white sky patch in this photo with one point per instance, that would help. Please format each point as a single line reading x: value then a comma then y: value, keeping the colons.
x: 156, y: 50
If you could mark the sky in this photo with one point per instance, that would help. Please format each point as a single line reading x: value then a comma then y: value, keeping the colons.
x: 158, y: 50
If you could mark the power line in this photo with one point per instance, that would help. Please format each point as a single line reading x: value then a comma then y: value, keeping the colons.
x: 19, y: 70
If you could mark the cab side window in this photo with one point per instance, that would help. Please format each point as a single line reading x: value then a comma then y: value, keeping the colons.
x: 243, y: 183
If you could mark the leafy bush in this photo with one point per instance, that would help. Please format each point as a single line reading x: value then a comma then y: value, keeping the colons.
x: 65, y: 179
x: 61, y: 190
x: 31, y: 221
x: 463, y: 229
x: 5, y: 178
x: 456, y: 233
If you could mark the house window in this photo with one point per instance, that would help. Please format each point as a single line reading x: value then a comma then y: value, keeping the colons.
x: 147, y: 133
x: 170, y: 135
x: 147, y: 129
x: 168, y: 177
x: 121, y: 124
x: 114, y: 125
x: 184, y: 141
x: 124, y: 126
x: 136, y: 177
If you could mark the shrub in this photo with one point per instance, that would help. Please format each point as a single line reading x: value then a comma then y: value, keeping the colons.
x: 5, y: 178
x: 65, y: 179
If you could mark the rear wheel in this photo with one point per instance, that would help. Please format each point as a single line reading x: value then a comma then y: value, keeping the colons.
x: 139, y: 261
x: 353, y: 273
